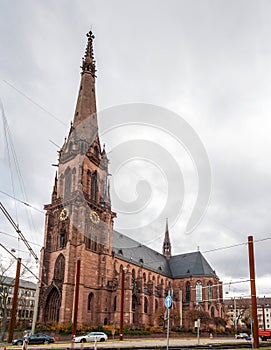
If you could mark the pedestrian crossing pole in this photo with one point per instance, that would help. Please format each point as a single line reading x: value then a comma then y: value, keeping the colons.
x: 168, y: 304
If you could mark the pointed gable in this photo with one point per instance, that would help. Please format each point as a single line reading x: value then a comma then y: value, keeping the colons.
x: 190, y: 265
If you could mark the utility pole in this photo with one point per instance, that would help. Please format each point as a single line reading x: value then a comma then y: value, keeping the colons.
x: 14, y: 303
x: 122, y: 303
x: 181, y: 308
x: 253, y: 292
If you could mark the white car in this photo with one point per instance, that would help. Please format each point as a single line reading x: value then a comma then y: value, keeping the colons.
x: 93, y: 336
x: 241, y: 336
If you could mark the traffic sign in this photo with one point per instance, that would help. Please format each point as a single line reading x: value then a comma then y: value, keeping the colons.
x: 168, y: 301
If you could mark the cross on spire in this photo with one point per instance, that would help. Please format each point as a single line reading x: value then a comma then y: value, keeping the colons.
x: 88, y: 64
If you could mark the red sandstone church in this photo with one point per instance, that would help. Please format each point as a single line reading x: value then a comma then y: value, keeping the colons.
x: 82, y: 249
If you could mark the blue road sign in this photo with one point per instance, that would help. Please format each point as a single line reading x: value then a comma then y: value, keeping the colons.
x: 168, y: 301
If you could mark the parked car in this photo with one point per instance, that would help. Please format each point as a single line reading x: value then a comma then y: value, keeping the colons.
x: 241, y: 336
x: 35, y: 339
x: 264, y: 334
x: 93, y: 336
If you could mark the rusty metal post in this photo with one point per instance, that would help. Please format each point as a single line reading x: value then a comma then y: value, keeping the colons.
x: 253, y: 292
x: 76, y: 298
x: 121, y: 304
x: 14, y: 302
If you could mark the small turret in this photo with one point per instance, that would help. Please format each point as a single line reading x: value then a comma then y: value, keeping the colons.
x: 167, y: 244
x: 54, y: 193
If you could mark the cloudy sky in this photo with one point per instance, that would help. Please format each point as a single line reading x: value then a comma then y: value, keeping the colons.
x: 207, y: 62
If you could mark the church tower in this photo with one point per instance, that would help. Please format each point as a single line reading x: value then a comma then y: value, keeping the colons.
x: 167, y: 244
x: 79, y: 219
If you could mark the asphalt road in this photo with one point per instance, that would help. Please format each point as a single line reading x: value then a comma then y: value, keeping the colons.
x: 160, y: 343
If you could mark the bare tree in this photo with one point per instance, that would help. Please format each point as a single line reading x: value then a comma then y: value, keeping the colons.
x: 161, y: 316
x: 6, y: 287
x: 243, y: 315
x: 219, y: 322
x: 4, y: 292
x: 193, y: 315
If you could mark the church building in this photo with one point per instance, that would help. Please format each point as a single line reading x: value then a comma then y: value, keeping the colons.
x: 83, y: 258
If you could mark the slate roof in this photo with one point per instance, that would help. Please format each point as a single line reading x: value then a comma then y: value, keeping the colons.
x: 241, y: 302
x: 178, y: 266
x: 22, y: 283
x: 139, y: 254
x: 190, y: 264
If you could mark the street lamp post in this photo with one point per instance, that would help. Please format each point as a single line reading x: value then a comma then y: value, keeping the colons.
x: 122, y: 302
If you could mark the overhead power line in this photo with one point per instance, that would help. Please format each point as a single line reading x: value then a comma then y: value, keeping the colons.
x: 10, y: 235
x: 35, y: 103
x: 29, y: 270
x: 236, y: 245
x: 21, y: 201
x: 5, y: 212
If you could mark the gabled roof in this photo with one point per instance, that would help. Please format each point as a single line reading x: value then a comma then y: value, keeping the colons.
x: 178, y: 266
x: 245, y: 302
x: 190, y: 265
x: 8, y: 281
x: 136, y: 253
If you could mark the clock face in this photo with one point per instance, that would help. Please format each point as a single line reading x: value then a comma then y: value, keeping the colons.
x: 64, y: 214
x: 94, y: 217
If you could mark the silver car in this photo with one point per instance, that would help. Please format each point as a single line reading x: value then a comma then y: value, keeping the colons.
x: 93, y: 336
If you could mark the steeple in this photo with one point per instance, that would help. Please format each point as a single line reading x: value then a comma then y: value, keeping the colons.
x: 166, y: 244
x: 86, y: 102
x: 54, y: 193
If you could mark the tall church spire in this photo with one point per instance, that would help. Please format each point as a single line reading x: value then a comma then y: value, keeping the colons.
x: 167, y: 244
x: 86, y: 102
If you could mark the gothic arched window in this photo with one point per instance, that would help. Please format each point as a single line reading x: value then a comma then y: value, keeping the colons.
x: 88, y: 183
x: 198, y: 291
x: 96, y: 151
x: 156, y: 305
x: 63, y: 238
x: 134, y: 302
x: 187, y: 292
x: 90, y: 298
x: 146, y: 304
x: 59, y: 268
x: 212, y: 312
x: 94, y: 187
x: 73, y: 178
x: 209, y: 291
x: 115, y: 303
x: 144, y: 277
x: 68, y: 182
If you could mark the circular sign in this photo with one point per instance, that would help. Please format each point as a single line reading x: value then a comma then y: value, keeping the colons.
x: 168, y: 301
